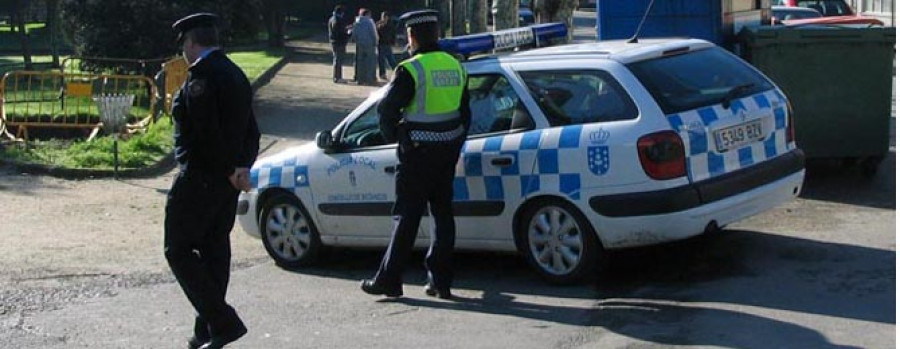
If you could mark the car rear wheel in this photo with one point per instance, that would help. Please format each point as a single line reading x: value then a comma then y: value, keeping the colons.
x: 288, y: 233
x: 558, y: 242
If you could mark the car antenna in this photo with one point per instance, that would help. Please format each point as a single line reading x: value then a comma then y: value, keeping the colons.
x: 641, y: 25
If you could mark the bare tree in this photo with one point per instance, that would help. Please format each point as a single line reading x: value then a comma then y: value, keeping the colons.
x: 477, y: 16
x: 458, y: 17
x: 507, y: 14
x: 566, y: 13
x: 547, y: 11
x: 18, y: 11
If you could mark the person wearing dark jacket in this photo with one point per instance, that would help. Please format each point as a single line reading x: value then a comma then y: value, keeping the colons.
x: 387, y: 38
x: 338, y: 36
x: 216, y: 143
x: 426, y: 111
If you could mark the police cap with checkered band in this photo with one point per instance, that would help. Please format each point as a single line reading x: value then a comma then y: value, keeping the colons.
x: 411, y: 19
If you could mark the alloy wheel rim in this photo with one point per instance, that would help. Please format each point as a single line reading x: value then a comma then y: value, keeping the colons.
x: 555, y: 240
x: 288, y: 232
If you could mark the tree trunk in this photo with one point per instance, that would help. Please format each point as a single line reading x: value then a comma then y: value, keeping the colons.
x: 273, y: 17
x: 477, y: 16
x: 52, y: 24
x: 458, y: 17
x: 507, y: 14
x: 565, y: 13
x: 443, y: 7
x: 19, y: 11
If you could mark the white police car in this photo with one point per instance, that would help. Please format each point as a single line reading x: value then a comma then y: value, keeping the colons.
x: 573, y: 150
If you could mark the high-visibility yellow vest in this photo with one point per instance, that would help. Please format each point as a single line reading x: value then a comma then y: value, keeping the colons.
x: 440, y: 80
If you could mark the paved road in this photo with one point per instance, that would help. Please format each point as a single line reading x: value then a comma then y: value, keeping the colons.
x: 818, y: 272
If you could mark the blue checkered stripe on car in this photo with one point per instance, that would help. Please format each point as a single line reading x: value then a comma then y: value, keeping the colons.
x: 556, y: 167
x: 703, y: 159
x: 279, y: 173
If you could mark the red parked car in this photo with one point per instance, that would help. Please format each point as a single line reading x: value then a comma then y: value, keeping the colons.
x: 825, y: 7
x: 835, y: 12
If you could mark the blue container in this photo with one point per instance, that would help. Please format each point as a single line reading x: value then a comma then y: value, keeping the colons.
x: 702, y: 19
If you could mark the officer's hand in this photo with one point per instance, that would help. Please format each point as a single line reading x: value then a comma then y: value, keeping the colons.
x: 240, y: 179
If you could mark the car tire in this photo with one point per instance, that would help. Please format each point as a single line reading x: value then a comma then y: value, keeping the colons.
x: 288, y: 232
x: 558, y: 242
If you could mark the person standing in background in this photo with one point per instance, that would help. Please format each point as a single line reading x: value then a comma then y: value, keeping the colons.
x: 387, y: 38
x: 337, y: 35
x: 366, y: 38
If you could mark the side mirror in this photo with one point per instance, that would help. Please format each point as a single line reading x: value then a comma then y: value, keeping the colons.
x: 324, y: 140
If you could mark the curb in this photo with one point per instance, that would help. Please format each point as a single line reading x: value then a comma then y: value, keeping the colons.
x: 166, y: 164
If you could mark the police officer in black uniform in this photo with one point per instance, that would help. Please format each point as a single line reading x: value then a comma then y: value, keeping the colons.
x: 426, y: 110
x: 216, y: 142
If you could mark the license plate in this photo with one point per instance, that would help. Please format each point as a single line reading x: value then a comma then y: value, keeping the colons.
x: 738, y: 135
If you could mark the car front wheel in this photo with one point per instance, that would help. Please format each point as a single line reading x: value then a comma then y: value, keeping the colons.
x: 558, y: 242
x: 288, y: 233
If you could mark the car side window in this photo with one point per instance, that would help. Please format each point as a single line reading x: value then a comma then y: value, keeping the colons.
x: 579, y: 97
x: 363, y: 131
x: 495, y: 106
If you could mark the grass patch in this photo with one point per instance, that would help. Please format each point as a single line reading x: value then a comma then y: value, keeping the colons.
x: 138, y: 151
x: 254, y: 63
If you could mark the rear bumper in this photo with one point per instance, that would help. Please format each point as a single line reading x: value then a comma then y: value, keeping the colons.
x: 701, y: 193
x: 686, y: 211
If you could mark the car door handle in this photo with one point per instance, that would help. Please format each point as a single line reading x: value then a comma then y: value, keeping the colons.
x: 391, y: 169
x: 504, y: 161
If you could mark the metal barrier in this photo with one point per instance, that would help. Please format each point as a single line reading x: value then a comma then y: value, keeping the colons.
x: 174, y: 74
x: 55, y: 99
x: 72, y: 65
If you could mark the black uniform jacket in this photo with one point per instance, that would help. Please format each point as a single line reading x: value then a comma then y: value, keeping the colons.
x: 401, y: 91
x: 215, y: 129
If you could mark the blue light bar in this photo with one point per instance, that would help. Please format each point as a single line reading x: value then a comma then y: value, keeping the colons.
x: 538, y: 35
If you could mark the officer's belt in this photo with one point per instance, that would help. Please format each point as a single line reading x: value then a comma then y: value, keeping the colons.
x: 432, y: 136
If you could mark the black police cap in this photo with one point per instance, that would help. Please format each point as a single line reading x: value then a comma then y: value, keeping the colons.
x: 419, y: 17
x: 196, y: 20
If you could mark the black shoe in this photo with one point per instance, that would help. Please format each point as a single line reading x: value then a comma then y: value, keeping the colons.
x: 442, y: 293
x: 218, y: 342
x: 371, y: 287
x: 194, y: 343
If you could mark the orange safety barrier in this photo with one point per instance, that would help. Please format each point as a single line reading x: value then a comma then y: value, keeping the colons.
x: 174, y: 72
x: 55, y: 99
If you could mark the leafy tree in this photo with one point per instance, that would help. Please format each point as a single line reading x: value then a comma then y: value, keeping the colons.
x: 142, y: 29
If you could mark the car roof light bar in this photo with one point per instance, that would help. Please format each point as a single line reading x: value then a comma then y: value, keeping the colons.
x: 539, y: 35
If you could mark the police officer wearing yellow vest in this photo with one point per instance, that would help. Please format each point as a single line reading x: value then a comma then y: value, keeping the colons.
x: 216, y: 142
x: 425, y: 110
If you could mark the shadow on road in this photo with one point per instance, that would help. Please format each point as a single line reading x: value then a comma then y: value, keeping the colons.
x: 647, y: 288
x: 830, y: 181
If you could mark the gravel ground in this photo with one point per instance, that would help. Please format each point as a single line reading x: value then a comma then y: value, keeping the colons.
x: 72, y: 240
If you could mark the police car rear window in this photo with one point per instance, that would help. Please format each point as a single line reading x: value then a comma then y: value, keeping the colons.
x: 568, y: 97
x: 697, y: 79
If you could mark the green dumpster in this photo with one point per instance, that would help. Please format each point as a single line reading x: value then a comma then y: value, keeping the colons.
x: 838, y: 81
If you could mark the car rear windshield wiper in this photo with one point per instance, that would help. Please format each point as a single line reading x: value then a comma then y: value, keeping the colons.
x: 734, y: 92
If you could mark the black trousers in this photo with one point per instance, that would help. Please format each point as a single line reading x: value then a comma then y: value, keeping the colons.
x: 200, y: 211
x: 425, y: 177
x: 338, y: 51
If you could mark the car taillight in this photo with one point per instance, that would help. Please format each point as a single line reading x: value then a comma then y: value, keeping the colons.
x: 789, y: 132
x: 662, y: 155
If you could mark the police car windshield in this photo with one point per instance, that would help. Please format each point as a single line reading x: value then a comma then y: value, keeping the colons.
x: 697, y: 79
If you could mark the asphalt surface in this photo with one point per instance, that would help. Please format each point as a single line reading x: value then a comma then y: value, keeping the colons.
x: 818, y: 272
